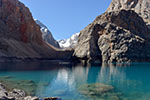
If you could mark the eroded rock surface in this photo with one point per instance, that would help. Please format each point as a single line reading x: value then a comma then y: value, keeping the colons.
x: 117, y: 36
x: 142, y: 7
x: 87, y: 47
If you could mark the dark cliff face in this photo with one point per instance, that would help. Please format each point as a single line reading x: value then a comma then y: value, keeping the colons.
x: 20, y: 36
x: 117, y: 36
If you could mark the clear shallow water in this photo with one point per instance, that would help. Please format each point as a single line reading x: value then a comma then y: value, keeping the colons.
x: 132, y: 81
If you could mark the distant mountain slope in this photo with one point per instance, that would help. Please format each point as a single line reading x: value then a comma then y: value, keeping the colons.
x: 69, y: 43
x: 47, y: 35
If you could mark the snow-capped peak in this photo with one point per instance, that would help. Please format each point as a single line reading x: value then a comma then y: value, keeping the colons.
x: 69, y: 43
x: 47, y: 35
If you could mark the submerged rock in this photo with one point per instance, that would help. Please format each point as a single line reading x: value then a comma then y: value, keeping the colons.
x: 26, y: 85
x: 99, y: 91
x: 95, y: 89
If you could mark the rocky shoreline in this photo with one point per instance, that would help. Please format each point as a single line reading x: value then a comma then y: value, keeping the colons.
x: 17, y: 94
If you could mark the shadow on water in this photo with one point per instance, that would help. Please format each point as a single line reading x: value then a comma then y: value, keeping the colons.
x: 63, y: 79
x: 29, y: 66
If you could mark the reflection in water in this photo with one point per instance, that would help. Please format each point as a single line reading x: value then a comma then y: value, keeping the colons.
x: 112, y: 74
x: 63, y: 80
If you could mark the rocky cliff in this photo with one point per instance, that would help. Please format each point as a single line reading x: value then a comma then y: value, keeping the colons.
x: 47, y: 35
x: 20, y: 36
x: 142, y: 7
x: 115, y: 36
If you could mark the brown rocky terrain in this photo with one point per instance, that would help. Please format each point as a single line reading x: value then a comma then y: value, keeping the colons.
x: 116, y: 36
x: 142, y: 7
x: 20, y: 36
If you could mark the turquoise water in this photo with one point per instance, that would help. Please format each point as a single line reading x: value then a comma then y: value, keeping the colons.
x: 131, y: 81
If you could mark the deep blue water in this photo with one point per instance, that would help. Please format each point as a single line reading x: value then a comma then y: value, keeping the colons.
x: 133, y: 80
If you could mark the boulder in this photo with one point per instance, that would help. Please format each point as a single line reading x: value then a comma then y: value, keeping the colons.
x: 52, y: 98
x: 17, y: 94
x: 31, y: 98
x: 3, y: 92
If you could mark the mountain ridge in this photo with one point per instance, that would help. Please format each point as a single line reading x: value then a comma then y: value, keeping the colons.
x: 47, y: 35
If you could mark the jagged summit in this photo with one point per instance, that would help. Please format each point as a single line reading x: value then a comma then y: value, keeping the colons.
x: 142, y: 7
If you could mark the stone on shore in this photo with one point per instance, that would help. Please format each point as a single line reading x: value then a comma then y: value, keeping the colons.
x: 31, y: 98
x: 17, y: 94
x: 52, y: 98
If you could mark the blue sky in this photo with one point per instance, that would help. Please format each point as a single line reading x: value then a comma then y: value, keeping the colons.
x: 65, y: 17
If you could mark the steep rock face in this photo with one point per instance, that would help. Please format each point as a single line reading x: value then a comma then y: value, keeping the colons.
x: 120, y: 45
x: 128, y: 20
x: 20, y: 36
x: 47, y: 35
x: 117, y: 36
x: 87, y: 47
x: 16, y: 22
x: 142, y: 7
